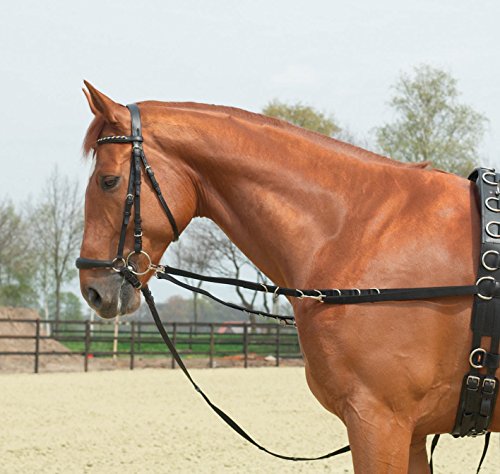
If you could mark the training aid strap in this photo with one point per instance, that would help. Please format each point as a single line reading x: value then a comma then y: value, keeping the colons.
x: 227, y: 419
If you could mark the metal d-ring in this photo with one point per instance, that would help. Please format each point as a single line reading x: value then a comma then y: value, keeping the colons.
x: 358, y: 290
x: 491, y: 208
x: 376, y: 289
x: 483, y: 260
x: 122, y: 262
x: 148, y: 268
x: 487, y: 181
x: 319, y: 297
x: 265, y: 287
x: 479, y: 350
x: 483, y: 297
x: 312, y: 297
x: 275, y: 293
x: 489, y: 232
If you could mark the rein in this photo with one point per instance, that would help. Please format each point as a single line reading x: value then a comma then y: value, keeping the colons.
x: 479, y: 391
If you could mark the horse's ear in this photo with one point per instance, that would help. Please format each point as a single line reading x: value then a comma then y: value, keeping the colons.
x: 100, y: 104
x: 89, y: 100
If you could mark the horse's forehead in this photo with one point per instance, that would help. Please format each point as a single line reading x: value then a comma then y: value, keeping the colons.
x: 112, y: 158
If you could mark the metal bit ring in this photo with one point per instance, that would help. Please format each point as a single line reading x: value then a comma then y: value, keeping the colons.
x: 118, y: 268
x: 148, y: 268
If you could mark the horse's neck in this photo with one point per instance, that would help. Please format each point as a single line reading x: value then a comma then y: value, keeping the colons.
x: 306, y: 209
x: 279, y: 198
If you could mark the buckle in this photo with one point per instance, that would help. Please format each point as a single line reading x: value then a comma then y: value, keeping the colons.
x: 489, y: 385
x: 473, y: 383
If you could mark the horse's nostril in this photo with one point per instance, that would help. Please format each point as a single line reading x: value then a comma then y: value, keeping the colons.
x: 94, y: 298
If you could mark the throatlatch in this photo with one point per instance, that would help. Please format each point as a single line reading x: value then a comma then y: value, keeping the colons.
x: 480, y: 385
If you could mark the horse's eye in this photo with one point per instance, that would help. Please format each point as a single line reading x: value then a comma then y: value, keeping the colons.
x: 109, y: 182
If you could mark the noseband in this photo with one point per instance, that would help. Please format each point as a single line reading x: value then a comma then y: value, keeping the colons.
x: 120, y: 263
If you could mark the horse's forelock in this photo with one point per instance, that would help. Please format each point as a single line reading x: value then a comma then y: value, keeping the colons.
x: 93, y: 132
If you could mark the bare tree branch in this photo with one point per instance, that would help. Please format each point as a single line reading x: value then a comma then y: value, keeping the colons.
x: 57, y: 226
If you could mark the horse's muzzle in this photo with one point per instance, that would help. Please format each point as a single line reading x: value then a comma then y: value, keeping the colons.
x: 110, y: 295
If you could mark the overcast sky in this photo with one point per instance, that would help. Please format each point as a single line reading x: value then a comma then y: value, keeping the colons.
x: 339, y: 56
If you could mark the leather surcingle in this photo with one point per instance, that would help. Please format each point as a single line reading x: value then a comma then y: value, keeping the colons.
x: 480, y: 384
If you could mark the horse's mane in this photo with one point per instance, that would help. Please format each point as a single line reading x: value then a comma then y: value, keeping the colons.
x: 96, y: 126
x: 92, y: 134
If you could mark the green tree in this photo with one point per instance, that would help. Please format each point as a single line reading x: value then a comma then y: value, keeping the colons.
x: 70, y: 309
x: 303, y: 116
x: 431, y: 123
x: 70, y: 306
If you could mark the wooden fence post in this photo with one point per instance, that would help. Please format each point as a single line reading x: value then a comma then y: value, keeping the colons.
x: 278, y: 342
x: 116, y: 331
x: 132, y: 344
x: 174, y: 339
x: 37, y: 345
x: 139, y: 331
x: 87, y: 346
x: 212, y: 344
x: 245, y: 344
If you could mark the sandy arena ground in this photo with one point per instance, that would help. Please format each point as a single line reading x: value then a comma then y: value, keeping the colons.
x: 152, y: 421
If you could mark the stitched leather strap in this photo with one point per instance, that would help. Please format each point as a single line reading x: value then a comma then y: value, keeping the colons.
x: 334, y: 295
x: 226, y: 418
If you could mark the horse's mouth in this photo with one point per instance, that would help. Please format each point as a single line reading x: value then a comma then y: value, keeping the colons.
x: 110, y: 296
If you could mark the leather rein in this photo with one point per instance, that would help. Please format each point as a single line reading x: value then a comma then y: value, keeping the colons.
x: 486, y: 289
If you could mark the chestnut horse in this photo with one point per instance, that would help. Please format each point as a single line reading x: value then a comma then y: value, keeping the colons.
x: 310, y: 212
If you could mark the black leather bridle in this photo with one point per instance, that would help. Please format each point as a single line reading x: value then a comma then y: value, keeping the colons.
x: 479, y: 391
x: 122, y: 263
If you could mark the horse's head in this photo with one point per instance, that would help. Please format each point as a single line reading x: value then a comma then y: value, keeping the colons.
x: 105, y: 289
